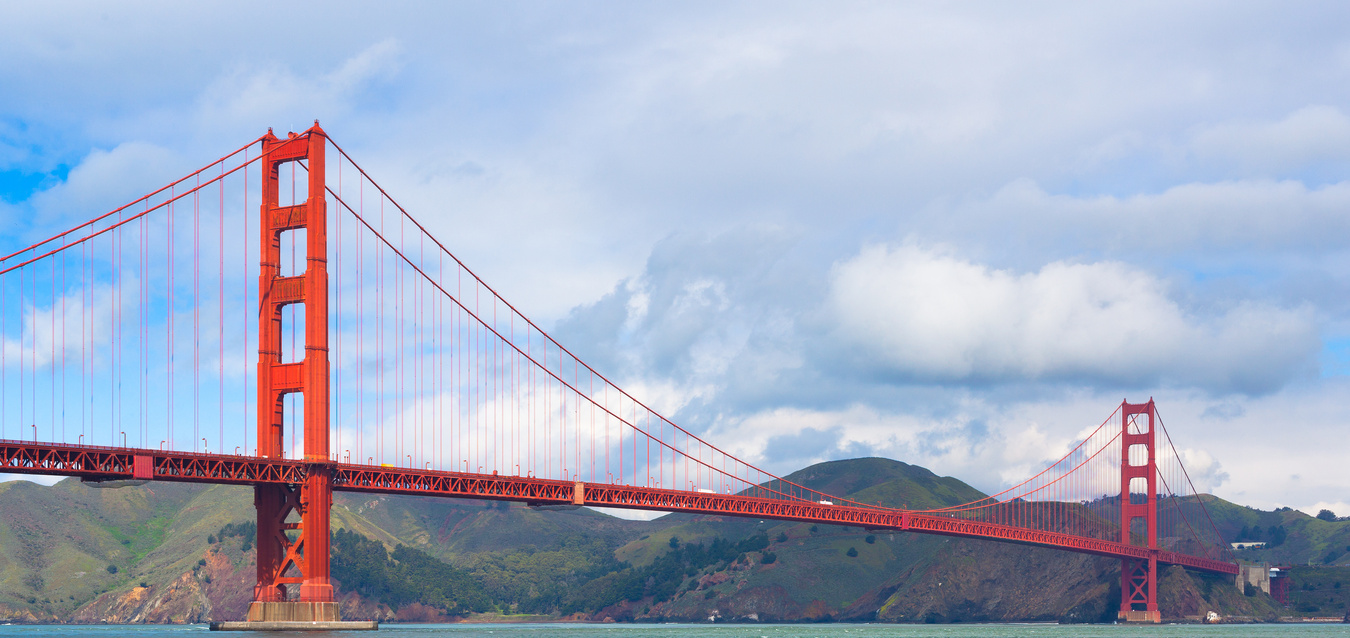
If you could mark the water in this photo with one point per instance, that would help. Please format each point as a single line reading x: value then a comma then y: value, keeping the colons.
x: 714, y: 631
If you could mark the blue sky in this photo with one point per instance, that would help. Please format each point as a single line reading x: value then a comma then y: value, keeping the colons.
x: 953, y: 234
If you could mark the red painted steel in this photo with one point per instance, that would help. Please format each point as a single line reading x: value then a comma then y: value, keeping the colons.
x: 1138, y: 575
x: 302, y: 558
x: 114, y: 463
x: 99, y: 463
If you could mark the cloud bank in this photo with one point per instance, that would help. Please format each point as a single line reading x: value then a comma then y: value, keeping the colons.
x: 922, y: 315
x: 951, y: 234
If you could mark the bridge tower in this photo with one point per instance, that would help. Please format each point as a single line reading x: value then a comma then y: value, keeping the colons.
x: 1139, y: 468
x: 293, y: 532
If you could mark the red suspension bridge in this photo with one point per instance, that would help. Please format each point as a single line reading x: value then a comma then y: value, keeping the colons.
x: 368, y: 358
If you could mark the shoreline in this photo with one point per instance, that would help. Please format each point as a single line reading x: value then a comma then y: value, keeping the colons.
x: 1322, y: 620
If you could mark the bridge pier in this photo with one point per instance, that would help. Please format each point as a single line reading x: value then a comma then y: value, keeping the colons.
x: 293, y: 526
x: 1138, y: 587
x: 294, y: 616
x: 1138, y: 470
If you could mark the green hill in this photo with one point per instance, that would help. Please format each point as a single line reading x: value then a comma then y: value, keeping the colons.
x: 157, y: 553
x: 1292, y: 537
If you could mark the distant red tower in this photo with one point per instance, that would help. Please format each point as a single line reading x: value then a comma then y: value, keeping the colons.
x: 1139, y: 576
x: 1279, y: 584
x: 294, y: 552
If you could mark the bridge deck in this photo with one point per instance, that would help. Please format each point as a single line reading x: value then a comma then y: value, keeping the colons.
x: 108, y: 463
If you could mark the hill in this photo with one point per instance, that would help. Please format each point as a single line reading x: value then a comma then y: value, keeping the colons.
x: 818, y: 572
x: 167, y: 552
x: 1292, y: 537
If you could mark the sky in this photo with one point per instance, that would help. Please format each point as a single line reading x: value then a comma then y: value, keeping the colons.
x: 953, y: 234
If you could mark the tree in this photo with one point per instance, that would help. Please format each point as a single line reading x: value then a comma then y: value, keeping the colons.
x: 870, y: 539
x: 852, y: 552
x: 404, y: 577
x: 674, y: 542
x: 1327, y: 515
x: 782, y: 537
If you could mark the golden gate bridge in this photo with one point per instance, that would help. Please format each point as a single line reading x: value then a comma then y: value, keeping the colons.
x: 137, y: 346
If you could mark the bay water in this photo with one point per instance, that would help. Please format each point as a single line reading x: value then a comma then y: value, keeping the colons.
x: 837, y: 630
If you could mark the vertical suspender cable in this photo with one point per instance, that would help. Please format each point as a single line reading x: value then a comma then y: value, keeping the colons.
x: 246, y: 305
x: 337, y: 388
x: 220, y: 313
x: 196, y: 313
x: 169, y: 311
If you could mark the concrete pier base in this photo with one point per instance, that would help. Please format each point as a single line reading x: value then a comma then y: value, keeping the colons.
x: 336, y: 625
x: 293, y: 612
x: 1140, y: 616
x: 294, y: 616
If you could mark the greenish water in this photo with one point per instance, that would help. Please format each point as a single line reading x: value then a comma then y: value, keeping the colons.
x: 719, y: 631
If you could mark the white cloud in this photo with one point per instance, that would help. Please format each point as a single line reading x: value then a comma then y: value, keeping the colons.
x: 1341, y: 508
x: 102, y: 181
x: 1204, y: 472
x: 929, y: 316
x: 1090, y: 163
x: 46, y: 334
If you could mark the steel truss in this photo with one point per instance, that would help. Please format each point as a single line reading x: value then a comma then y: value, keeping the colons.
x: 103, y: 463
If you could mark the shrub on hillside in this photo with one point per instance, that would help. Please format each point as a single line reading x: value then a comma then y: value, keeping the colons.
x: 404, y: 577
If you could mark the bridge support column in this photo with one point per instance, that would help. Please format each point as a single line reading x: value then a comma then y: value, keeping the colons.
x: 293, y: 529
x: 1138, y: 588
x: 1139, y: 476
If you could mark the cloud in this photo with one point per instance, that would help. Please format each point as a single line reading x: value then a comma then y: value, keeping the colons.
x: 1313, y: 133
x: 247, y: 95
x: 1340, y: 507
x: 985, y: 445
x: 100, y: 182
x: 1264, y: 219
x: 44, y: 339
x: 712, y: 318
x: 1272, y: 451
x: 927, y: 316
x: 672, y: 184
x: 1205, y: 472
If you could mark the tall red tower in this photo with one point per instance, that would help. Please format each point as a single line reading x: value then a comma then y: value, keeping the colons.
x: 1139, y: 468
x: 293, y: 530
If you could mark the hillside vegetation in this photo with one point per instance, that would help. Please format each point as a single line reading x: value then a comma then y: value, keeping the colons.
x: 167, y: 552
